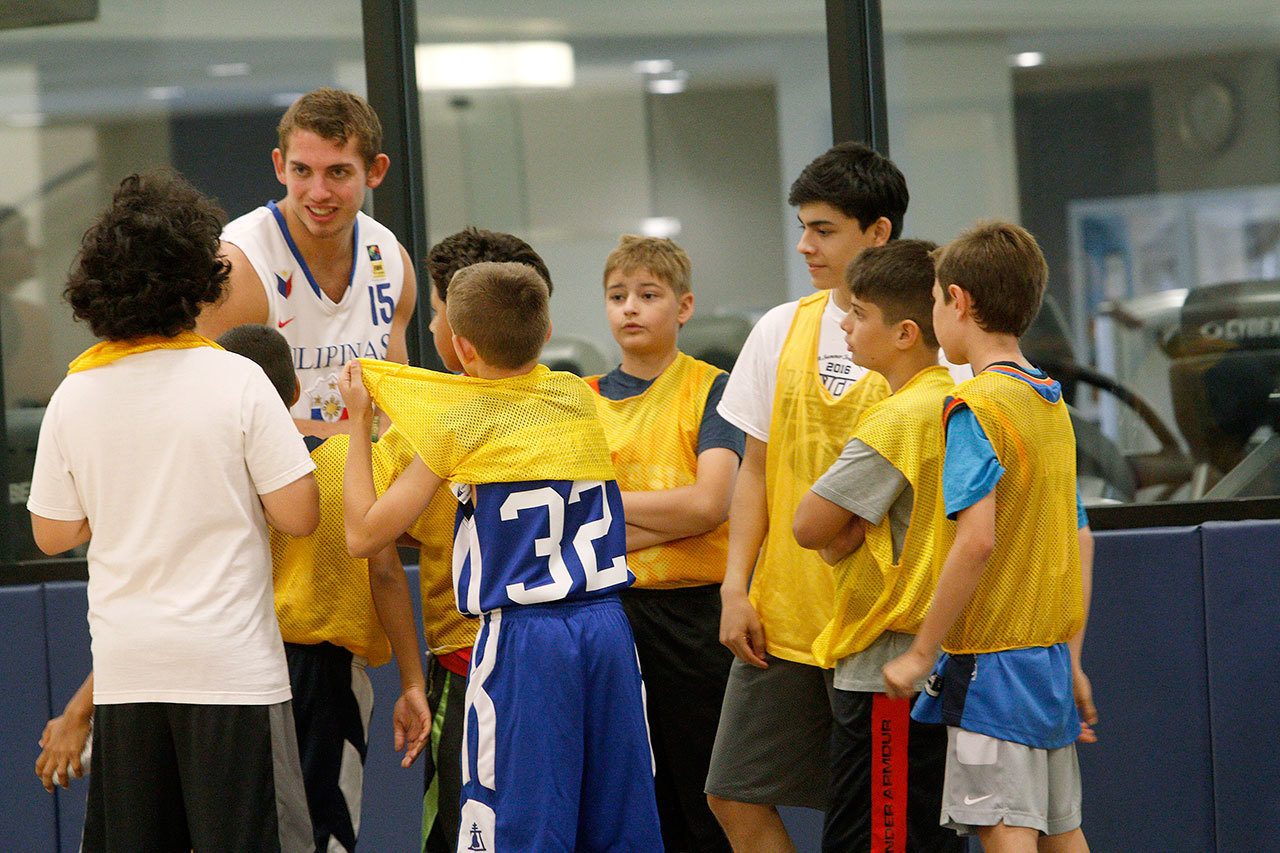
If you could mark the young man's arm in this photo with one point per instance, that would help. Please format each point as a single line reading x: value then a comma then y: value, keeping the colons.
x: 397, y: 346
x: 53, y: 536
x: 1080, y: 684
x: 294, y: 509
x: 740, y: 627
x: 411, y: 716
x: 961, y: 572
x: 828, y: 528
x: 667, y: 514
x: 244, y: 301
x: 65, y: 738
x: 374, y: 522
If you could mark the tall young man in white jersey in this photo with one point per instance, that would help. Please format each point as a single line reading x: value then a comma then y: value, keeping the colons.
x: 337, y: 284
x: 796, y: 393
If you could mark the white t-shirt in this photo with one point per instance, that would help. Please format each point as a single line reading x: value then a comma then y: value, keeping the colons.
x: 165, y: 453
x: 747, y: 402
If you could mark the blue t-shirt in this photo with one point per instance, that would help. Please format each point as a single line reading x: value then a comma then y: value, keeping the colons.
x: 538, y: 542
x: 714, y: 431
x: 1019, y: 695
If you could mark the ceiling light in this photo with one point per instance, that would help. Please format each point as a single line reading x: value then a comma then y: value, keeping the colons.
x: 229, y: 69
x: 1027, y: 59
x: 668, y: 84
x: 660, y: 226
x: 653, y: 66
x: 165, y: 93
x: 495, y: 65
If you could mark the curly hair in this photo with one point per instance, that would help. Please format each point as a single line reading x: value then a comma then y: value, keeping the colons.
x: 474, y: 245
x: 151, y: 261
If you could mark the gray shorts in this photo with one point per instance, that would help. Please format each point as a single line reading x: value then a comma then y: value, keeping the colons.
x: 774, y: 737
x: 991, y: 781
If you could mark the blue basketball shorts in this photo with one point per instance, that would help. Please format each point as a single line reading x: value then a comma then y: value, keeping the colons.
x: 555, y: 753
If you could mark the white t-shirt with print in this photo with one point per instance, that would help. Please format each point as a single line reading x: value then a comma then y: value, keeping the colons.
x: 748, y: 397
x: 165, y: 453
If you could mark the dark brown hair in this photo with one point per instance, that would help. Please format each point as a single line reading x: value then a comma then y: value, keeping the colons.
x: 857, y: 181
x: 898, y: 279
x: 336, y: 116
x: 477, y: 245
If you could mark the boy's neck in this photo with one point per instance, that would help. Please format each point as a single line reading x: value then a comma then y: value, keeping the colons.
x: 906, y: 368
x: 842, y: 297
x: 646, y: 365
x: 987, y: 349
x: 480, y: 370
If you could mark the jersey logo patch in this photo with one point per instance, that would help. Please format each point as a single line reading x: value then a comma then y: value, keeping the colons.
x: 284, y: 285
x: 282, y: 323
x: 325, y: 401
x: 375, y: 254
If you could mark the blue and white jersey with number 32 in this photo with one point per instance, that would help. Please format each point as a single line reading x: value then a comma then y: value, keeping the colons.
x: 538, y: 542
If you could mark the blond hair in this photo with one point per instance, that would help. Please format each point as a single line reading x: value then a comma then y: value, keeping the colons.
x: 660, y: 256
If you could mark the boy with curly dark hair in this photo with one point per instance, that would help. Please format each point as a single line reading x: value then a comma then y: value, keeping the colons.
x: 168, y: 457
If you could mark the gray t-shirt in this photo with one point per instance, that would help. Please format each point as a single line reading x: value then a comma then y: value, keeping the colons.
x: 868, y: 485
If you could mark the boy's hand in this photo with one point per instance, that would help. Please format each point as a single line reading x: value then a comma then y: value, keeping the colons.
x: 62, y: 742
x: 903, y: 673
x: 354, y: 394
x: 1083, y: 690
x: 741, y: 630
x: 411, y: 722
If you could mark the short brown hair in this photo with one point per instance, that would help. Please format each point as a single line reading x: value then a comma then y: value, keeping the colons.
x: 1001, y: 267
x: 474, y: 245
x: 658, y: 255
x: 502, y: 309
x: 898, y: 279
x: 336, y: 116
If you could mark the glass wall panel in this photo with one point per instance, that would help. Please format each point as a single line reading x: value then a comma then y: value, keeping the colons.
x: 687, y: 121
x: 196, y: 87
x: 1141, y: 145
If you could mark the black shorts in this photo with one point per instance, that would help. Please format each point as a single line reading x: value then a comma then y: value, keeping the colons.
x: 332, y: 705
x: 881, y: 798
x: 442, y: 760
x: 685, y: 669
x: 175, y: 777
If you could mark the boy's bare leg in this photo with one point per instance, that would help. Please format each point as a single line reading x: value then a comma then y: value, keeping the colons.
x: 751, y: 827
x: 1065, y: 842
x: 1008, y: 839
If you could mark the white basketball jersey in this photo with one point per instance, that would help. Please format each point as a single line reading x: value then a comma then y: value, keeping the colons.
x: 323, y: 334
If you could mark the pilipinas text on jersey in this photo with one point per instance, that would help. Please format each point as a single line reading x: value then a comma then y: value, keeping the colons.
x: 538, y: 541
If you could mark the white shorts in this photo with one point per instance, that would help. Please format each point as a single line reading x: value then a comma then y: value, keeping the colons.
x: 991, y: 781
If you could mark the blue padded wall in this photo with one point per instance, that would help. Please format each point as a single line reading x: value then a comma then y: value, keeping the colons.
x: 1242, y: 606
x: 28, y: 820
x: 66, y: 607
x: 1148, y: 781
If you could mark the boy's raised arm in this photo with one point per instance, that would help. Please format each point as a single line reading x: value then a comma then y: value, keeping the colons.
x: 373, y: 523
x: 965, y: 563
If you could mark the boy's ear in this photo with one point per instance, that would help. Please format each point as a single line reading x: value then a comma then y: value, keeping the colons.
x: 961, y: 298
x: 548, y: 332
x: 465, y: 349
x: 277, y: 160
x: 377, y: 171
x: 881, y: 230
x: 297, y: 390
x: 686, y: 308
x: 908, y: 334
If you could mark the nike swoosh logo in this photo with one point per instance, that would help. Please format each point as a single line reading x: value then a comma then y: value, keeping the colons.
x: 968, y: 801
x: 283, y: 323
